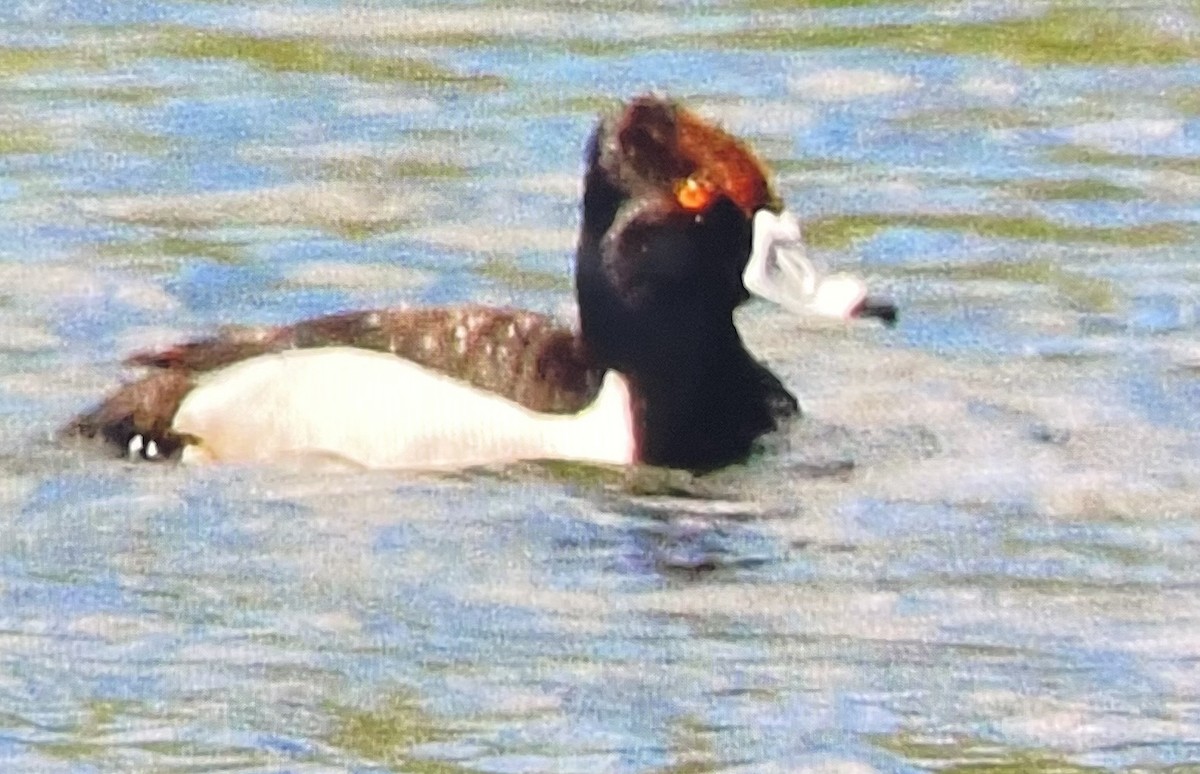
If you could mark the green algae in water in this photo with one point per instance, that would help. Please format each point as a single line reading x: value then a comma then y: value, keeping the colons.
x: 586, y: 104
x: 167, y: 250
x: 87, y: 735
x: 382, y: 170
x: 799, y: 165
x: 691, y: 745
x: 1083, y: 189
x: 567, y: 44
x: 635, y: 480
x: 940, y: 120
x: 386, y: 734
x: 840, y: 231
x: 1074, y: 154
x: 786, y: 5
x: 18, y: 61
x: 1060, y: 36
x: 587, y: 475
x: 976, y: 756
x: 24, y: 140
x: 1083, y: 293
x: 1185, y: 100
x: 971, y: 118
x: 132, y: 96
x: 96, y: 51
x: 301, y: 55
x: 508, y: 272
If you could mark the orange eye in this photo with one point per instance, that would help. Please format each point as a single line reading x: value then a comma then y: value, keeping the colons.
x: 694, y: 195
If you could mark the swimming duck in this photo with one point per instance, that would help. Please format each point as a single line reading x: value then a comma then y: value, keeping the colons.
x: 680, y: 225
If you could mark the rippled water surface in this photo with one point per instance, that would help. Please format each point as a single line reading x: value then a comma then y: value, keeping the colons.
x: 976, y: 553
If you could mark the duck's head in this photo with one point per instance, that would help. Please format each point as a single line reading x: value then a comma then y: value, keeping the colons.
x: 680, y: 226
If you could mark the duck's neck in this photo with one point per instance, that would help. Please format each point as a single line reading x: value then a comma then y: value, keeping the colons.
x: 706, y: 412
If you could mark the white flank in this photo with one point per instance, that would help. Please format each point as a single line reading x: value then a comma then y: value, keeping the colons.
x: 380, y: 411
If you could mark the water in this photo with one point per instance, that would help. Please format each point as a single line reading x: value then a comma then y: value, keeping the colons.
x: 975, y: 554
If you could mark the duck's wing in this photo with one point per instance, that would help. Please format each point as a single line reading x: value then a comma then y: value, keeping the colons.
x: 527, y: 357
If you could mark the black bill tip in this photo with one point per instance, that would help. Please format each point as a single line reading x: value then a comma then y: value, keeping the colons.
x: 883, y: 309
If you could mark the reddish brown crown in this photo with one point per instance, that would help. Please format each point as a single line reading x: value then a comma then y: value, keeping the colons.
x: 673, y: 147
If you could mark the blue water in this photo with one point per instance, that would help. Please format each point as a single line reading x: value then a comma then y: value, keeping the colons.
x: 977, y: 549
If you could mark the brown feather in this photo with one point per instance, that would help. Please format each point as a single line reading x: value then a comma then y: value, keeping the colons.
x: 524, y: 356
x: 143, y: 407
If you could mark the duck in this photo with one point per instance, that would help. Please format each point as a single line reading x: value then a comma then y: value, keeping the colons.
x: 680, y: 226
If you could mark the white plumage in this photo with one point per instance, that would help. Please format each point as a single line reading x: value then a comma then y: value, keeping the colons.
x: 381, y: 411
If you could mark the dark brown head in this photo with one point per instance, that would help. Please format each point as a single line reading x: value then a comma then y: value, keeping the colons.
x: 668, y: 215
x: 680, y: 225
x: 667, y: 211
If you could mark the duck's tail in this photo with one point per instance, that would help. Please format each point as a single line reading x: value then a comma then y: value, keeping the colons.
x: 135, y: 420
